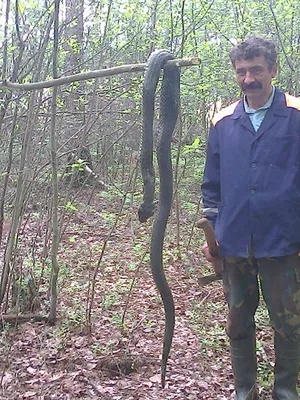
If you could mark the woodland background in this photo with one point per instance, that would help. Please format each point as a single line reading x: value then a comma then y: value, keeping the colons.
x: 80, y: 315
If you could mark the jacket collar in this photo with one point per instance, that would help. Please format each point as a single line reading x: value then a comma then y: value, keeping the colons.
x: 279, y: 104
x: 278, y: 107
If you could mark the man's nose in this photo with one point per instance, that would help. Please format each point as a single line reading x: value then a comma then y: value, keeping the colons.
x: 249, y: 78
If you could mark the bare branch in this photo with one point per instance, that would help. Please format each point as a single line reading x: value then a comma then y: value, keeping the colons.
x: 101, y: 73
x: 277, y: 27
x: 55, y: 225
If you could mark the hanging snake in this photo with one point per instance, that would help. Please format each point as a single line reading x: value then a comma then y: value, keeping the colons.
x: 169, y: 105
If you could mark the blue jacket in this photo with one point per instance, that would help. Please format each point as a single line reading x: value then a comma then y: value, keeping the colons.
x: 251, y: 185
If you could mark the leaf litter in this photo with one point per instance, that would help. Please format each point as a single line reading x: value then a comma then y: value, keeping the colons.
x: 122, y: 361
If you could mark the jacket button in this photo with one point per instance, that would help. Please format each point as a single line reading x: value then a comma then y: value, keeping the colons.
x: 253, y: 165
x: 252, y: 191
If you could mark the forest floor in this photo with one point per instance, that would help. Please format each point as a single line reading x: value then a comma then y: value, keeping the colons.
x: 120, y: 357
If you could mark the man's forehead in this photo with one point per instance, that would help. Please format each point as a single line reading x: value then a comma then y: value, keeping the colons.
x: 251, y: 62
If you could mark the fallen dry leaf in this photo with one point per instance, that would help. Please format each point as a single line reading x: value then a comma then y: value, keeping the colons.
x: 155, y: 378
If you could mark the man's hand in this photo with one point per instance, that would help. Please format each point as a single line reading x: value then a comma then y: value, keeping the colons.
x: 216, y: 262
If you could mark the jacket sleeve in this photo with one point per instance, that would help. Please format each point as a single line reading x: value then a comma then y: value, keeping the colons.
x: 211, y: 189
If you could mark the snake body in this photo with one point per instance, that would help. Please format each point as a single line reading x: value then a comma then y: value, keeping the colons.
x: 169, y: 105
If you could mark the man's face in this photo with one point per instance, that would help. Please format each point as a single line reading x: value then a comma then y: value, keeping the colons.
x: 254, y: 76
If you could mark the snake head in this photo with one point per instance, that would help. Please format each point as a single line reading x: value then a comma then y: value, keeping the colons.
x: 146, y: 211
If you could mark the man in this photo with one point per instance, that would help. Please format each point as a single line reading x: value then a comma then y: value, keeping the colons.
x: 251, y: 194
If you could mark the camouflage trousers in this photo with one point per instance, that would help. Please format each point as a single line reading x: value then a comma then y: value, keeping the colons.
x: 280, y: 286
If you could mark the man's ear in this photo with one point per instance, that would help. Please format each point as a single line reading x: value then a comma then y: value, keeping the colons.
x: 274, y: 69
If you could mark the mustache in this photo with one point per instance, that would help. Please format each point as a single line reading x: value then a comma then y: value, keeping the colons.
x: 252, y: 85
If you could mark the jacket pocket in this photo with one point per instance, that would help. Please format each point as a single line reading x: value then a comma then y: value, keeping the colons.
x: 284, y: 151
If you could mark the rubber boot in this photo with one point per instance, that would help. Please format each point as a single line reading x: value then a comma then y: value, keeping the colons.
x: 244, y: 366
x: 287, y: 364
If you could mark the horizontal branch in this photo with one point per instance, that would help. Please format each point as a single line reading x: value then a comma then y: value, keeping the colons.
x: 13, y: 319
x: 100, y: 73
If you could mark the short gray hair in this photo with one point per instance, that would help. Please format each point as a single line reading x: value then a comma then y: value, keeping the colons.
x: 254, y: 47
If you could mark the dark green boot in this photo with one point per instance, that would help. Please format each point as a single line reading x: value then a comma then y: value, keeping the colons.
x: 287, y: 364
x: 243, y: 358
